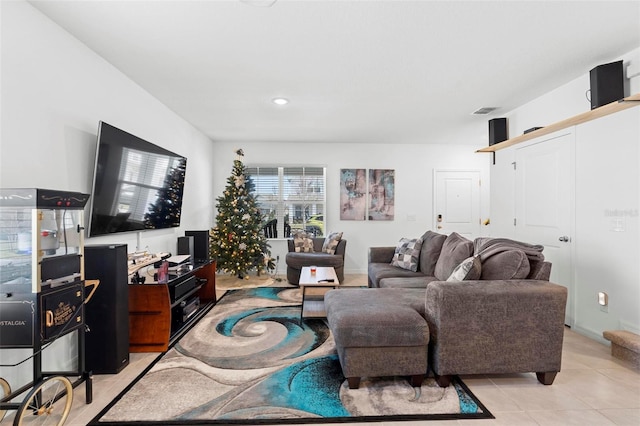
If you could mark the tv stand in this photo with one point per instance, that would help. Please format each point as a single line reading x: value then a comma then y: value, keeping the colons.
x: 159, y: 314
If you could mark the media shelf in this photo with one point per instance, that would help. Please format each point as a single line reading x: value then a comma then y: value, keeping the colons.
x: 159, y: 314
x: 611, y: 108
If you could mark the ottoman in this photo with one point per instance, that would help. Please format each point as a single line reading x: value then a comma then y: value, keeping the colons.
x: 379, y: 332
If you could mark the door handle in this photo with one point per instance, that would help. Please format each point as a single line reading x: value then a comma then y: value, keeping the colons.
x: 564, y: 239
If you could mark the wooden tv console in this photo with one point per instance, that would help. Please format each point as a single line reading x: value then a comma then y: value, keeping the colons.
x: 155, y: 319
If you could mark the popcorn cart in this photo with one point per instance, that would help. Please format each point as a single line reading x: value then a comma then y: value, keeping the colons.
x: 42, y: 297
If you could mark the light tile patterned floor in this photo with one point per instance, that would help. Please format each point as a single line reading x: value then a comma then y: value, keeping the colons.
x: 593, y: 388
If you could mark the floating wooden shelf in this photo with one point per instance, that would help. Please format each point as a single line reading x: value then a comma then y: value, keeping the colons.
x: 602, y: 111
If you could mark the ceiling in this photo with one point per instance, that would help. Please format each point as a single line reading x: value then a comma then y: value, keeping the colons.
x: 354, y: 71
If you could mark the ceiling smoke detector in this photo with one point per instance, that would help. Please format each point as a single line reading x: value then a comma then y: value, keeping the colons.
x: 484, y: 110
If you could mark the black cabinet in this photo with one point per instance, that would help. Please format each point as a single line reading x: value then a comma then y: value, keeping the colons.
x: 107, y: 313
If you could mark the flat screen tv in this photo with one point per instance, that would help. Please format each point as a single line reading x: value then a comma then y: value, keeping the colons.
x: 136, y: 185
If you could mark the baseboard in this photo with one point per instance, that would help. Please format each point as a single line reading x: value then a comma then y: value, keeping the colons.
x: 592, y: 334
x: 627, y: 326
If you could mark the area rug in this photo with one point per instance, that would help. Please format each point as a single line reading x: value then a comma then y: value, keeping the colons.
x: 232, y: 282
x: 251, y: 360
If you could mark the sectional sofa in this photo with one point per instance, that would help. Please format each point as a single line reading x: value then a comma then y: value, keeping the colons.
x: 452, y: 306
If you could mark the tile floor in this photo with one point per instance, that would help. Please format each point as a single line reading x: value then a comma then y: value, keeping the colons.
x: 593, y: 388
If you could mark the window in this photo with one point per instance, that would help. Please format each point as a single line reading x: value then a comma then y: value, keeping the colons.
x: 141, y: 176
x: 291, y: 198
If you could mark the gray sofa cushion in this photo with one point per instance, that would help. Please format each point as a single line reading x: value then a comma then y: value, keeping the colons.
x: 406, y: 282
x: 357, y: 320
x: 455, y: 249
x: 299, y: 260
x: 431, y: 247
x: 506, y: 265
x: 384, y: 270
x: 539, y: 270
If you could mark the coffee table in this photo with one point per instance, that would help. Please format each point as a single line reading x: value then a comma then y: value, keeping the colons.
x: 314, y: 287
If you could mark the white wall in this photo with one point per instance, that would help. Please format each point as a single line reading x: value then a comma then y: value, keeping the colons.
x: 413, y: 164
x: 607, y: 188
x: 54, y: 92
x: 607, y: 249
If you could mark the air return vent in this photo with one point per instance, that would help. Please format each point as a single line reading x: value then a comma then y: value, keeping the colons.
x: 484, y: 110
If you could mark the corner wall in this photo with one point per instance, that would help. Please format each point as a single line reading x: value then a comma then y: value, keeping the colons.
x: 607, y: 190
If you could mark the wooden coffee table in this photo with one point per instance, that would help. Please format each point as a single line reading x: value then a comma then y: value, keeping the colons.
x: 314, y: 287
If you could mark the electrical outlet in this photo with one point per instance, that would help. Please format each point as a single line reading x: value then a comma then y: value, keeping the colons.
x: 603, y: 299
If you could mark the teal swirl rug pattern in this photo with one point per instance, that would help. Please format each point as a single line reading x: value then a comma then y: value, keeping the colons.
x: 251, y: 361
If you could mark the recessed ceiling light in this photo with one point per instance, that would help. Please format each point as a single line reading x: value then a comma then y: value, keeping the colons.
x: 280, y: 101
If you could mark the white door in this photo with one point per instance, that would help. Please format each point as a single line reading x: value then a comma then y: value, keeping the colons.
x: 457, y: 202
x: 543, y: 204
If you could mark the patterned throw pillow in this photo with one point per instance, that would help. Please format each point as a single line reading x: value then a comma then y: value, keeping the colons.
x: 331, y: 242
x: 302, y: 243
x: 407, y: 254
x: 468, y: 269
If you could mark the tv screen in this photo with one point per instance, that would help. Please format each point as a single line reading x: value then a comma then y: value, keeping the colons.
x: 136, y: 185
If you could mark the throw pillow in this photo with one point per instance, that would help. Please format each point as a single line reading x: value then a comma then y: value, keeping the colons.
x: 455, y: 249
x: 407, y: 254
x: 302, y: 243
x: 331, y: 242
x: 506, y: 265
x: 468, y: 269
x: 431, y: 246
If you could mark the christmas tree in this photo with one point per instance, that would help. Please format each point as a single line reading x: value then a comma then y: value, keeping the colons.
x: 238, y: 242
x: 165, y: 212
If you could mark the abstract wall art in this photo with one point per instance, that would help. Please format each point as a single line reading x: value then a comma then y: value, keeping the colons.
x: 381, y: 194
x: 353, y: 187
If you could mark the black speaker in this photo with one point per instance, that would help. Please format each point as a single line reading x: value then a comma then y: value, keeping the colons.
x: 497, y: 130
x: 607, y: 84
x: 107, y: 313
x: 185, y: 246
x: 200, y: 245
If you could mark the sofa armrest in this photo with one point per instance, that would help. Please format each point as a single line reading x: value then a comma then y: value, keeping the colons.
x: 341, y: 248
x: 496, y: 326
x: 381, y: 254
